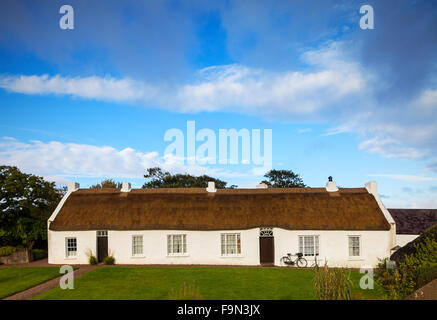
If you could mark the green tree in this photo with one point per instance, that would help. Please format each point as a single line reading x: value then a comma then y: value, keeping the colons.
x: 26, y: 202
x: 107, y: 183
x: 283, y: 179
x: 163, y: 179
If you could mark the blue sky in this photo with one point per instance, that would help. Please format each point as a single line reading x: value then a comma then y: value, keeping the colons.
x: 96, y: 101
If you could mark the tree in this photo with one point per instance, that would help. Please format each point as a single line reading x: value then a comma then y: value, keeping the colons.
x: 107, y: 183
x: 283, y: 179
x: 26, y: 202
x: 164, y: 179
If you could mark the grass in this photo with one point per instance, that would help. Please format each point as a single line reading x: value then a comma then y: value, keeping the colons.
x: 16, y: 279
x: 213, y: 283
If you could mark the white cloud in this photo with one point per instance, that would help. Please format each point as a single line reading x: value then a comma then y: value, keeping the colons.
x: 333, y: 89
x: 59, y: 161
x: 262, y: 92
x: 107, y: 88
x: 304, y: 130
x: 404, y: 177
x: 391, y: 148
x: 226, y: 87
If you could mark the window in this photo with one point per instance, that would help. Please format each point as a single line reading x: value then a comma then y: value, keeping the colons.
x: 102, y: 233
x: 266, y: 232
x: 354, y: 246
x: 231, y: 243
x: 137, y: 245
x: 71, y: 247
x: 309, y: 245
x: 176, y: 244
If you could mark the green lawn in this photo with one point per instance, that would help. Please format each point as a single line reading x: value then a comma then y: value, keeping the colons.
x: 13, y: 280
x: 213, y: 283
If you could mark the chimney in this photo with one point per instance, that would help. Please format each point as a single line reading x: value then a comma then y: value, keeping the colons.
x: 125, y: 187
x: 372, y: 187
x: 211, y: 187
x: 331, y: 186
x: 262, y: 186
x: 72, y: 186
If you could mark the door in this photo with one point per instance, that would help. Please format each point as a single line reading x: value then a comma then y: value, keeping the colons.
x: 102, y: 245
x: 267, y: 250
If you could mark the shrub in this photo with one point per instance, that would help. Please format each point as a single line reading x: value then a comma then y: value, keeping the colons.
x: 427, y: 273
x: 93, y: 260
x: 332, y: 283
x: 109, y: 260
x: 6, y: 251
x: 39, y: 254
x: 412, y: 272
x: 185, y: 292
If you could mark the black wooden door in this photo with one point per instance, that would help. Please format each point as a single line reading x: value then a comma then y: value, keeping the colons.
x: 266, y: 250
x: 102, y: 248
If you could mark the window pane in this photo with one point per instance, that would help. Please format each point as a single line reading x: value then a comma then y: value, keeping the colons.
x: 223, y: 244
x: 71, y: 245
x: 309, y: 245
x: 354, y: 246
x: 184, y: 243
x: 169, y: 251
x: 177, y: 243
x: 137, y: 245
x: 231, y: 244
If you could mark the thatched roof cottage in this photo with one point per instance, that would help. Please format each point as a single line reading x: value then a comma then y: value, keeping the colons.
x: 345, y: 226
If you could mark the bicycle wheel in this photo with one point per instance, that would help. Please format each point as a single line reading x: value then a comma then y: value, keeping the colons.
x: 285, y: 261
x: 301, y: 263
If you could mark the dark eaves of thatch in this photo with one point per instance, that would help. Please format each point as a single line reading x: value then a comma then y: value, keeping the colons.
x: 413, y: 221
x: 409, y: 248
x: 226, y: 209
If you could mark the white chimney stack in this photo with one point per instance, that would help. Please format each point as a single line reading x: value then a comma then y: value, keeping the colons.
x: 331, y: 186
x: 372, y: 187
x: 211, y: 187
x: 72, y: 186
x: 262, y: 186
x: 125, y: 187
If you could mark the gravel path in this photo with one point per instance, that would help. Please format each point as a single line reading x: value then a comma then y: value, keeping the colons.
x: 43, y: 287
x: 36, y: 263
x: 427, y: 292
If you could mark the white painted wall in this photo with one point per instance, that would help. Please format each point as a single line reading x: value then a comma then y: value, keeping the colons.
x: 203, y: 247
x: 334, y: 246
x: 86, y: 242
x: 403, y: 239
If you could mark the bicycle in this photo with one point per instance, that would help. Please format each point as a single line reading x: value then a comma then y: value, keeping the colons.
x: 300, y: 262
x: 315, y: 263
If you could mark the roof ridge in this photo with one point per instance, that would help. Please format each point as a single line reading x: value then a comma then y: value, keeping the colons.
x: 237, y: 190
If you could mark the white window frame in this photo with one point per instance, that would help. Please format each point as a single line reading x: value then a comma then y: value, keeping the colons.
x: 68, y: 252
x: 302, y: 244
x: 171, y: 245
x: 138, y: 254
x: 360, y: 247
x: 224, y: 245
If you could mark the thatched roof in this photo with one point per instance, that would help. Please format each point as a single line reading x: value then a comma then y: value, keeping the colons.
x: 413, y: 221
x: 227, y: 209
